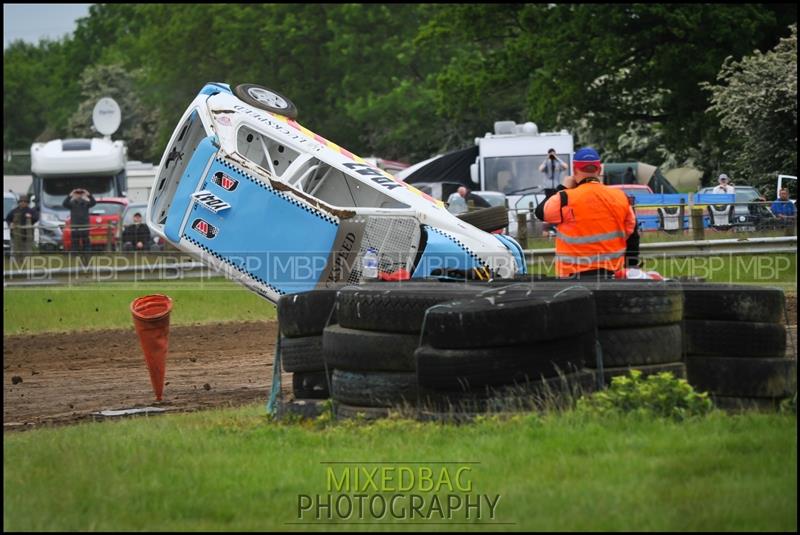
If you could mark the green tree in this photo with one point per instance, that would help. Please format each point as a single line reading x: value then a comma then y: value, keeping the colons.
x: 139, y: 123
x: 621, y: 76
x: 756, y: 101
x: 39, y: 92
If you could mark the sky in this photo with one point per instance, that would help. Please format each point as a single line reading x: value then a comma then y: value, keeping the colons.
x: 31, y: 22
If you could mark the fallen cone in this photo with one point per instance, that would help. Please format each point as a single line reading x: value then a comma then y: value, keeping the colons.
x: 151, y: 319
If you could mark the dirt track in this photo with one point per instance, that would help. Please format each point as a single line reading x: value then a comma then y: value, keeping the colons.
x: 67, y: 377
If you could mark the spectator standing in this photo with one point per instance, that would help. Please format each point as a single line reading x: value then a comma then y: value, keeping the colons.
x: 79, y: 202
x: 783, y: 208
x: 136, y: 236
x: 593, y: 221
x: 20, y: 222
x: 552, y: 167
x: 725, y: 185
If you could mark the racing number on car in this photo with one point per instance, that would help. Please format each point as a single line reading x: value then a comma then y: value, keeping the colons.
x: 210, y: 201
x: 375, y: 176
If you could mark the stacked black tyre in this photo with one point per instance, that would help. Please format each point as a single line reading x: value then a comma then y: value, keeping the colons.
x: 302, y: 318
x: 371, y: 348
x: 735, y: 339
x: 639, y: 327
x: 506, y: 350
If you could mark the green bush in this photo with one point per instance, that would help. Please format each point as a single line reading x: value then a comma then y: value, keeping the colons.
x: 660, y: 395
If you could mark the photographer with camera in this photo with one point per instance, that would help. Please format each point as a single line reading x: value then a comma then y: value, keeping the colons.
x: 552, y: 167
x: 79, y: 201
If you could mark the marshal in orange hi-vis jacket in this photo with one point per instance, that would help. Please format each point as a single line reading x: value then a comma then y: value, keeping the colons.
x: 593, y: 221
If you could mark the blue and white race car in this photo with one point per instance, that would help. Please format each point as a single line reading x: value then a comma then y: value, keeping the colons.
x: 248, y: 190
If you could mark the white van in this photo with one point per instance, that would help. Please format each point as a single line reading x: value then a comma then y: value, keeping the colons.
x: 61, y: 165
x: 509, y: 161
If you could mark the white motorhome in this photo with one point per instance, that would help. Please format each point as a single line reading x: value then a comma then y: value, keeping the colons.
x: 61, y: 165
x: 141, y: 176
x: 508, y: 161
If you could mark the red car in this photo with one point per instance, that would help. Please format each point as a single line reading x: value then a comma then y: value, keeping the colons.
x: 105, y: 215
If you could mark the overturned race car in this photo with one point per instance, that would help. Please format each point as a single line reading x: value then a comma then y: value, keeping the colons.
x: 248, y: 190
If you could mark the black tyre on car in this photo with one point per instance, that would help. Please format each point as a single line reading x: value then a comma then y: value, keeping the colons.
x: 267, y: 99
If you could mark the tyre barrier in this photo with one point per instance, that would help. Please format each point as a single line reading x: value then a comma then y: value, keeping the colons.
x: 302, y: 317
x: 302, y: 354
x: 374, y: 389
x: 381, y: 357
x: 555, y: 392
x: 735, y: 345
x: 638, y: 327
x: 758, y: 377
x: 306, y: 313
x: 732, y: 302
x: 444, y: 348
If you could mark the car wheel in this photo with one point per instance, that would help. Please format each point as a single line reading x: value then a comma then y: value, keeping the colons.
x: 266, y: 99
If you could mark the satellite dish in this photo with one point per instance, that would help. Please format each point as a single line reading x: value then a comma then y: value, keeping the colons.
x: 106, y: 116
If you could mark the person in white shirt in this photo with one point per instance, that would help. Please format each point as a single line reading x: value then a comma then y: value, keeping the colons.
x: 724, y: 185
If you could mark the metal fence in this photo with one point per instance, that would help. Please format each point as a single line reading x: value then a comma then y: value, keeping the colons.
x: 699, y: 219
x: 91, y: 238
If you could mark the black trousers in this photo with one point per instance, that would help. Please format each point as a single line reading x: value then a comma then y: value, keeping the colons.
x: 80, y: 240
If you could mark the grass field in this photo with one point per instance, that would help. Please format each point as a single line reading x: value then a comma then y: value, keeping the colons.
x: 234, y: 470
x: 107, y: 305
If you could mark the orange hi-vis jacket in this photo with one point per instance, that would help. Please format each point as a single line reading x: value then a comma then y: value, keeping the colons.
x: 593, y: 226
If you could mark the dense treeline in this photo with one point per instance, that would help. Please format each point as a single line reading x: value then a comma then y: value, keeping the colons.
x: 405, y: 81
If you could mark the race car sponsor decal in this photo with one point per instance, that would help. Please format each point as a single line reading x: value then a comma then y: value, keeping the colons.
x: 205, y: 228
x: 208, y: 200
x: 224, y: 181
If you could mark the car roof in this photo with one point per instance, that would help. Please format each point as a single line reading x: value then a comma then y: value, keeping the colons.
x: 629, y: 186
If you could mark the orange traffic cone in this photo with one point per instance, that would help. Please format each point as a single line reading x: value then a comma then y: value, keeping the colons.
x: 151, y: 319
